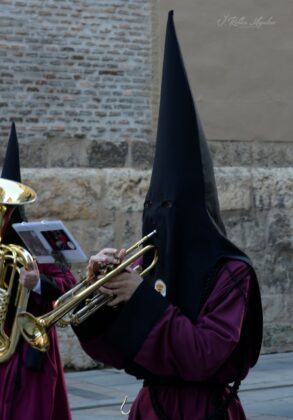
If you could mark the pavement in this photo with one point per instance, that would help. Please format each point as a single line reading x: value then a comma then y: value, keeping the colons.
x: 266, y: 394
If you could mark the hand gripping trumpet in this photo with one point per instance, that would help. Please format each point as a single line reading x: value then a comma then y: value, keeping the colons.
x: 35, y: 329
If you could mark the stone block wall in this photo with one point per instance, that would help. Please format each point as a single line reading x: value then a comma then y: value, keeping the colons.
x: 104, y: 207
x: 81, y: 80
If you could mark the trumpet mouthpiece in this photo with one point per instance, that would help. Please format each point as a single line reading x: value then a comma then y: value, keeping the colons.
x: 154, y: 232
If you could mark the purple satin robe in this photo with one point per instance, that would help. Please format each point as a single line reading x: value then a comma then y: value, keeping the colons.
x: 41, y: 394
x: 205, y: 353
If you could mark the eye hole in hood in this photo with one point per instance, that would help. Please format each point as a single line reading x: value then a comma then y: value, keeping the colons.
x: 167, y: 204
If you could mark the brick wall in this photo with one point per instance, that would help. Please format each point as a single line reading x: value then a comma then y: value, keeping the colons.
x: 76, y: 76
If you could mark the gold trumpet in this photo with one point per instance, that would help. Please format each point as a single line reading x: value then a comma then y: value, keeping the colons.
x: 35, y: 329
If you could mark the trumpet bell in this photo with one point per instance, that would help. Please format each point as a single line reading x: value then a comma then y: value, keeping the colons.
x: 33, y: 331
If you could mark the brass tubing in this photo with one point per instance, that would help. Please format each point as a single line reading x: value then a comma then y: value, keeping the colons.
x: 35, y: 329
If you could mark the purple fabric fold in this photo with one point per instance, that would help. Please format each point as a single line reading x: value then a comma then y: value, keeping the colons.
x: 41, y: 394
x: 209, y: 353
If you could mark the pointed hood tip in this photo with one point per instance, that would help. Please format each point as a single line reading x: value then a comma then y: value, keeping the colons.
x: 11, y: 171
x: 11, y: 164
x: 171, y: 14
x: 13, y: 129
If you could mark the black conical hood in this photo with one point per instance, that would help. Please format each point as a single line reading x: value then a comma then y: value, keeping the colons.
x: 11, y: 170
x: 11, y: 166
x: 182, y: 202
x: 182, y: 159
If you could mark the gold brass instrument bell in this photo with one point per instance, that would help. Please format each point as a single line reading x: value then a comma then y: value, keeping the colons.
x: 13, y: 296
x: 35, y: 329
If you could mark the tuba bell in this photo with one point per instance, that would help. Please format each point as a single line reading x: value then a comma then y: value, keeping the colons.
x: 13, y: 296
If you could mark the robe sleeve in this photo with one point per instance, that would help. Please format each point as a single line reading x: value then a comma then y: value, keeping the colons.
x: 193, y: 352
x: 54, y: 282
x: 91, y: 334
x: 102, y: 351
x: 60, y: 279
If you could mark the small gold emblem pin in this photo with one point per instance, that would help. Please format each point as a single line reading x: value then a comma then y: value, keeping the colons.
x: 160, y: 287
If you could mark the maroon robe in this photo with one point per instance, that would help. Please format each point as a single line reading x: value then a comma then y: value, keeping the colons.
x: 206, y: 355
x: 41, y: 394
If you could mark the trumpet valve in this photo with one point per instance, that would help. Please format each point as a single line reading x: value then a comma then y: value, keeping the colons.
x: 106, y: 268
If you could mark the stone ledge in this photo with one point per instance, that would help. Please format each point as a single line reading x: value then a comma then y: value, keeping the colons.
x: 100, y: 148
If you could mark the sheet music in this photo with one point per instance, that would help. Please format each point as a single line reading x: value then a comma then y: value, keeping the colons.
x: 43, y: 237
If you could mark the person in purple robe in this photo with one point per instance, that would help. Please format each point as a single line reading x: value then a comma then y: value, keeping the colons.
x: 192, y: 328
x: 32, y: 384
